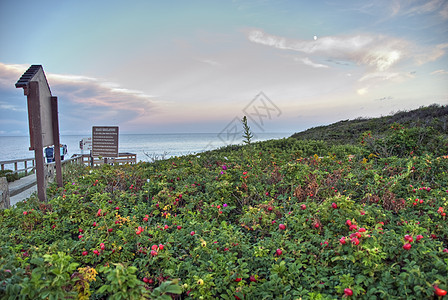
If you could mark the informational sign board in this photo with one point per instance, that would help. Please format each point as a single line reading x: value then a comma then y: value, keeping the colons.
x: 105, y: 141
x: 41, y: 107
x: 43, y: 123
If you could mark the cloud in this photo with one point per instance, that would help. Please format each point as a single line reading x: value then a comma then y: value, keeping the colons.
x: 439, y: 72
x: 428, y: 55
x: 376, y: 51
x: 390, y: 76
x: 404, y: 8
x: 308, y: 62
x: 444, y: 11
x: 9, y: 74
x: 85, y: 101
x: 99, y: 100
x: 427, y: 7
x: 8, y: 106
x: 210, y: 62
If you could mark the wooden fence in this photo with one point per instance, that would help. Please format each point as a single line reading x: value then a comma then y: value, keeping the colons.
x: 123, y: 158
x: 24, y: 165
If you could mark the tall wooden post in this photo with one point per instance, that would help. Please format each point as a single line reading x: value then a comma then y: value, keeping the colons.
x: 57, y: 153
x: 34, y: 113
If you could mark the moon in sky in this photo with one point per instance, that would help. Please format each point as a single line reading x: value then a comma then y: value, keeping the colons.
x: 315, y: 37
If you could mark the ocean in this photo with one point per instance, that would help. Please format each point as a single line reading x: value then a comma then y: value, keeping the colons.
x: 146, y: 146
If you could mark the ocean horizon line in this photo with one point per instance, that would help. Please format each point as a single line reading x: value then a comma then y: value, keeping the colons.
x: 168, y: 133
x: 173, y: 144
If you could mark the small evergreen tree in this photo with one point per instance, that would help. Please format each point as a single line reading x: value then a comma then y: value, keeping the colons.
x: 247, y: 135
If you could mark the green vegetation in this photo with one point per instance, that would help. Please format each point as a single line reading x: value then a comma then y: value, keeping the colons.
x: 10, y: 175
x: 281, y: 219
x: 348, y: 131
x: 247, y: 134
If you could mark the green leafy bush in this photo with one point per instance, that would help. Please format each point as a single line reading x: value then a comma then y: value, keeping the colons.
x: 10, y: 175
x: 281, y: 219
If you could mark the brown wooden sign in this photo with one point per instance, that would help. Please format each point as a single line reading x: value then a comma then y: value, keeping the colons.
x: 39, y: 105
x: 43, y: 122
x: 105, y: 141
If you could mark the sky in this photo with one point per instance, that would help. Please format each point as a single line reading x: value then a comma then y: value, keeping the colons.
x: 200, y: 66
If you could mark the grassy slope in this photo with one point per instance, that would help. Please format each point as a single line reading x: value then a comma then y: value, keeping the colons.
x: 218, y: 214
x: 348, y: 131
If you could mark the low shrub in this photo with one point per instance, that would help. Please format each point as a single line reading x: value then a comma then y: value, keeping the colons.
x: 271, y: 220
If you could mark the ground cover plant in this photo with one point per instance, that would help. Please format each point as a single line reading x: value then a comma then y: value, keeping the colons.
x: 284, y: 219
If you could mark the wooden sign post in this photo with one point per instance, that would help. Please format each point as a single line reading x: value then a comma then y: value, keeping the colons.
x: 43, y: 123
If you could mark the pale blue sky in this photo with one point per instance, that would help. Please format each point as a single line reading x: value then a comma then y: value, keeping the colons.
x: 193, y: 66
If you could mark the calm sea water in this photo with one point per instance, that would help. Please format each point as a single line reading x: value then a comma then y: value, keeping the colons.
x: 144, y: 145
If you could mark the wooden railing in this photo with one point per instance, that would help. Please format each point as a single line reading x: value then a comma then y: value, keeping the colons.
x: 24, y: 165
x: 123, y: 158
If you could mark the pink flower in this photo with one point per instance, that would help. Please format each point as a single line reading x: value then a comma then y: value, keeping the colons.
x: 224, y: 167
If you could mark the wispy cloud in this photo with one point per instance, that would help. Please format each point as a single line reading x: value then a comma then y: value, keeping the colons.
x: 9, y: 74
x: 439, y: 72
x: 403, y: 8
x: 8, y: 106
x: 210, y: 62
x: 380, y: 56
x: 100, y: 100
x: 376, y: 51
x: 86, y: 100
x: 444, y: 11
x: 310, y: 63
x: 409, y: 8
x: 390, y: 76
x: 431, y: 54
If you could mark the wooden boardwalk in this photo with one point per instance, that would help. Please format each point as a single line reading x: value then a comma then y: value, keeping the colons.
x: 22, y: 189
